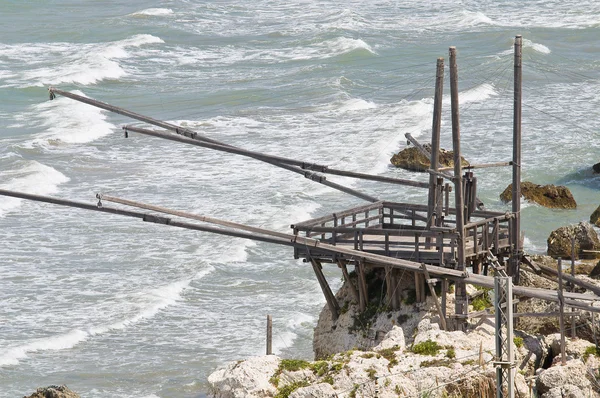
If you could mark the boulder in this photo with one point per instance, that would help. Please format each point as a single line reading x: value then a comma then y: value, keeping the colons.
x: 595, y: 273
x: 573, y: 373
x: 412, y: 159
x: 552, y: 196
x: 595, y: 217
x: 586, y: 238
x: 566, y: 391
x: 54, y: 392
x: 249, y: 378
x: 596, y: 168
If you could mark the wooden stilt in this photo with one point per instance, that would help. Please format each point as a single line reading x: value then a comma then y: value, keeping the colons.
x: 432, y: 290
x: 269, y: 335
x: 460, y: 291
x: 444, y: 293
x: 351, y: 286
x: 334, y: 307
x: 395, y: 290
x: 561, y: 318
x: 362, y: 286
x: 417, y: 287
x: 389, y: 288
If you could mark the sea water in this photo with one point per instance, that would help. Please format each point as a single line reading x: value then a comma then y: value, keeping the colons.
x: 115, y: 307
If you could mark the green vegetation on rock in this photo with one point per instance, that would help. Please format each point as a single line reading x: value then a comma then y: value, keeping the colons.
x: 427, y: 347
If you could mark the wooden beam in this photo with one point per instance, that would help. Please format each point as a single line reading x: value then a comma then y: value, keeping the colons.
x: 334, y: 307
x: 437, y: 304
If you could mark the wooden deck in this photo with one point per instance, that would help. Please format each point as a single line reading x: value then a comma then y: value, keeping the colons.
x: 400, y: 230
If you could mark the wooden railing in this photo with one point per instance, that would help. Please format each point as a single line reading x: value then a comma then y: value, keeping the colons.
x: 400, y: 230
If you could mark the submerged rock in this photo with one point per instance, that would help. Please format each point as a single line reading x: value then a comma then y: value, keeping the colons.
x: 596, y: 168
x: 412, y: 159
x: 586, y: 239
x: 551, y: 196
x: 54, y: 392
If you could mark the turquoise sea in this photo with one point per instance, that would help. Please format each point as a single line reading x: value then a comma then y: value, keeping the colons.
x: 113, y: 307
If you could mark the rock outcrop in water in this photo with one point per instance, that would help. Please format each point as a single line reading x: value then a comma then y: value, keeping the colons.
x: 412, y: 159
x: 595, y: 217
x: 587, y: 242
x: 552, y: 196
x: 54, y: 392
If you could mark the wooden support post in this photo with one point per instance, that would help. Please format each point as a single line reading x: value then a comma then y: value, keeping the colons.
x: 396, y: 299
x: 573, y: 324
x: 353, y: 291
x: 417, y: 288
x: 362, y: 286
x: 432, y: 290
x: 269, y: 335
x: 561, y: 318
x: 435, y: 143
x: 334, y: 307
x: 444, y: 293
x: 516, y: 165
x: 460, y: 291
x: 389, y: 288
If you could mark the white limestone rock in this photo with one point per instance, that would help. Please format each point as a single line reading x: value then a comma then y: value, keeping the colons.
x: 566, y: 391
x: 245, y: 379
x: 574, y: 373
x: 321, y: 390
x: 393, y: 339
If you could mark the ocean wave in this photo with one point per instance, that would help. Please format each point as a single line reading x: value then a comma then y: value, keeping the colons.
x: 471, y: 19
x: 149, y: 303
x: 34, y: 178
x: 69, y: 122
x: 153, y: 12
x: 61, y: 63
x: 478, y: 93
x: 540, y: 48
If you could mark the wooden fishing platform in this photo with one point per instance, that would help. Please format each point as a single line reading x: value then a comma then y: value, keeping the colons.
x: 400, y: 230
x: 437, y: 242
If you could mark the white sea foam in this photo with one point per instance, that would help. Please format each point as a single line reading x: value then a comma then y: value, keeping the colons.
x: 470, y: 19
x: 536, y: 46
x: 540, y: 48
x: 153, y: 12
x: 58, y: 63
x: 478, y: 93
x: 34, y: 178
x: 356, y: 104
x: 12, y: 356
x: 285, y: 339
x: 342, y: 45
x: 70, y: 122
x: 149, y: 303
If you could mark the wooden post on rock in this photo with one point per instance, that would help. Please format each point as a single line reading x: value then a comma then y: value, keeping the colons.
x: 432, y: 215
x: 461, y: 305
x: 561, y: 318
x: 269, y: 335
x: 516, y: 164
